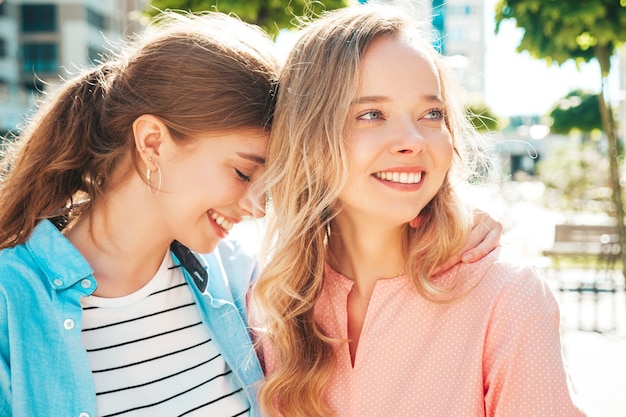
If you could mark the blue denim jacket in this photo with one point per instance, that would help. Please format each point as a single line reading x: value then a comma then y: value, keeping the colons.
x: 43, y: 365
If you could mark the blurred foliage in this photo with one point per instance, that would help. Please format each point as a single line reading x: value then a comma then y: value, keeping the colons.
x: 482, y: 117
x: 577, y: 110
x: 582, y: 30
x: 561, y: 30
x: 271, y: 15
x: 576, y: 178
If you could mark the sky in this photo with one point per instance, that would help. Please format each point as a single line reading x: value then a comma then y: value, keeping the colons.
x: 516, y: 84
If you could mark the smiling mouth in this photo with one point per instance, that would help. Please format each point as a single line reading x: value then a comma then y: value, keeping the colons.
x: 400, y: 177
x: 222, y: 222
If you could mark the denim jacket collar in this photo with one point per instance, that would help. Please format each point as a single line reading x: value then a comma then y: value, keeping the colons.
x: 44, y: 245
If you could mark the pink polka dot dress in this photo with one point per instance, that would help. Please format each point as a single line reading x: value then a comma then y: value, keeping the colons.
x: 493, y: 351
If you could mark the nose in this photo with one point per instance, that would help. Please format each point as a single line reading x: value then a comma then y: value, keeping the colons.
x: 252, y: 203
x: 407, y: 138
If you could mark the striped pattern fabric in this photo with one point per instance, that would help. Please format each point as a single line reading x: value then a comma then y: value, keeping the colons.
x: 151, y: 354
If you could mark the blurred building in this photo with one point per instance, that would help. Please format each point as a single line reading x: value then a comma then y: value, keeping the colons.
x: 41, y: 41
x: 461, y: 28
x: 458, y: 32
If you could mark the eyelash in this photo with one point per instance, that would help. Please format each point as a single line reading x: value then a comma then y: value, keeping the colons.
x: 441, y: 115
x: 242, y: 176
x: 362, y: 115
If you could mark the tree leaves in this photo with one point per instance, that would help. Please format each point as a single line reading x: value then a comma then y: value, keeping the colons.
x: 271, y: 15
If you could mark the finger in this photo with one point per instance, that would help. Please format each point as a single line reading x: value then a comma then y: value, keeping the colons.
x: 484, y: 237
x: 453, y: 260
x: 489, y: 242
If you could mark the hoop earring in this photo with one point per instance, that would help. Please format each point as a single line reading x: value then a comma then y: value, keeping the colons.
x: 149, y: 177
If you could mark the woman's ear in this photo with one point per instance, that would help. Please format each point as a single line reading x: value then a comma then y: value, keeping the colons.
x: 149, y: 132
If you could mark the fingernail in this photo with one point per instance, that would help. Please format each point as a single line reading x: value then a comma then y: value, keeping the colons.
x: 467, y: 258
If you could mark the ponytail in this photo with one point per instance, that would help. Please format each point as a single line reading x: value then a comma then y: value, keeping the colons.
x: 50, y: 163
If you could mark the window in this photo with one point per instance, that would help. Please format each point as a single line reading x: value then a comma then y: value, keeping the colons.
x: 39, y: 57
x: 96, y: 19
x: 39, y: 18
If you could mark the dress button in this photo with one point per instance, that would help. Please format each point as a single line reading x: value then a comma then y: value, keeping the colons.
x: 85, y: 283
x: 58, y: 282
x: 68, y: 324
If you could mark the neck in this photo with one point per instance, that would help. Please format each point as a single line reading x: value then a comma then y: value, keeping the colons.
x: 119, y: 242
x: 366, y: 255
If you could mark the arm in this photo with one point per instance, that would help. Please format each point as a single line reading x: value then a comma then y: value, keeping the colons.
x: 523, y: 369
x: 484, y: 238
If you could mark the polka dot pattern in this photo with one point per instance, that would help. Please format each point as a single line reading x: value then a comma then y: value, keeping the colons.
x: 494, y: 351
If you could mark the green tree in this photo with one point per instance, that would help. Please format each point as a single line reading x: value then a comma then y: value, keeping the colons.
x: 582, y: 30
x: 482, y: 117
x: 272, y: 15
x: 577, y: 110
x: 575, y: 177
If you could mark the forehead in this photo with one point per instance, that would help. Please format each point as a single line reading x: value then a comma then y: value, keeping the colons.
x: 390, y: 58
x: 251, y: 140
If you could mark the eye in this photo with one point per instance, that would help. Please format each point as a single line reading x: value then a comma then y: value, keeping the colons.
x: 435, y: 114
x: 242, y: 176
x: 370, y: 115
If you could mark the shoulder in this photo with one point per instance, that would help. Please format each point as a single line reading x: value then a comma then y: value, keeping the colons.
x: 502, y: 268
x: 511, y: 271
x: 22, y: 275
x: 16, y: 272
x: 46, y: 257
x: 236, y: 250
x: 236, y: 257
x: 17, y: 263
x: 504, y: 279
x: 514, y: 286
x: 236, y: 261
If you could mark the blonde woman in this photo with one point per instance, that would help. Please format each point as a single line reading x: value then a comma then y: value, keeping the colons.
x: 368, y: 147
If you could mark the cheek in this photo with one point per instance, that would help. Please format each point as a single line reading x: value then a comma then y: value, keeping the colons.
x: 443, y: 153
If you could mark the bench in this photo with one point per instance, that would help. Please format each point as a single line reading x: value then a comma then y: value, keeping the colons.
x: 599, y: 246
x: 582, y: 240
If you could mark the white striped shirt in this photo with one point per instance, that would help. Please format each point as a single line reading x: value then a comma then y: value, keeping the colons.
x: 151, y: 354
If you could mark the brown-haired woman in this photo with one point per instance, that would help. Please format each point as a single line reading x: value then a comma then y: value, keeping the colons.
x: 127, y: 165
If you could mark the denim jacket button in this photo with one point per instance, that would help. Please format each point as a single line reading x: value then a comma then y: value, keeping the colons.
x: 68, y: 324
x: 85, y: 283
x: 58, y: 282
x: 83, y: 415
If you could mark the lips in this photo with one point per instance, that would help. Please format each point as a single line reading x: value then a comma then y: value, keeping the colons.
x: 221, y: 221
x: 400, y: 177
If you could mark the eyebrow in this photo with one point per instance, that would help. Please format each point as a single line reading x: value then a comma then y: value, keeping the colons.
x: 252, y: 157
x: 380, y: 99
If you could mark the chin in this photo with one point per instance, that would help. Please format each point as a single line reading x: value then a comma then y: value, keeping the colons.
x: 207, y: 248
x: 204, y: 246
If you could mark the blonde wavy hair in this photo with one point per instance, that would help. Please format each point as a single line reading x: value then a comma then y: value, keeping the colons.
x: 305, y: 175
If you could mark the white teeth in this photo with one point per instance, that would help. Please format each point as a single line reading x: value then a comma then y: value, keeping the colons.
x: 222, y: 222
x: 401, y: 177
